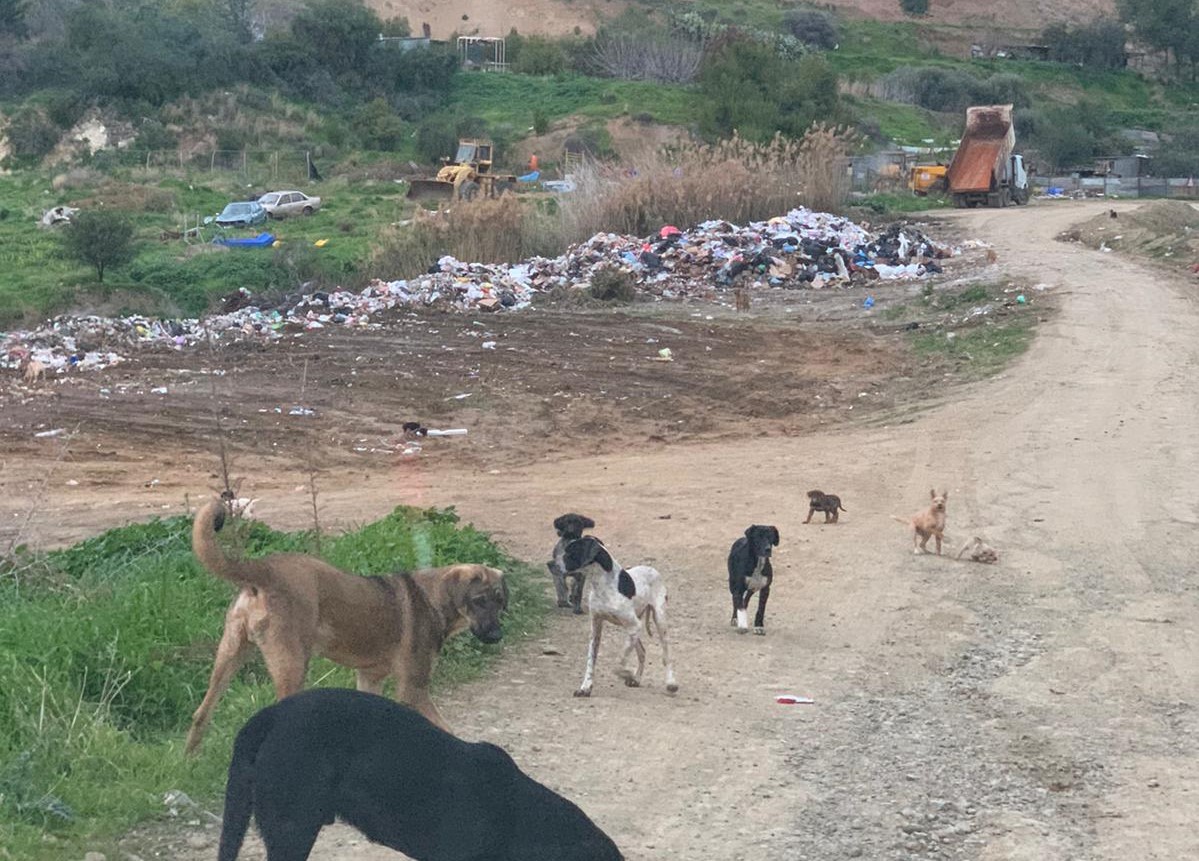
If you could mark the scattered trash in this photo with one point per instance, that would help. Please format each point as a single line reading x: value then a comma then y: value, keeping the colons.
x: 793, y: 700
x: 57, y: 215
x: 450, y: 432
x: 160, y: 390
x: 488, y: 345
x: 868, y: 302
x: 1020, y: 299
x: 301, y: 411
x: 50, y: 433
x: 664, y: 355
x: 414, y: 429
x: 802, y: 249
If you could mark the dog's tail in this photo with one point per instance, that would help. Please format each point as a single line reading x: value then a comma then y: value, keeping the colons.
x: 904, y: 520
x: 208, y: 522
x: 842, y: 507
x: 239, y: 790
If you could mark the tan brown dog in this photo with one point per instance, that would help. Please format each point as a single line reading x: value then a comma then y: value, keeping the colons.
x: 927, y: 524
x: 294, y: 607
x: 980, y: 551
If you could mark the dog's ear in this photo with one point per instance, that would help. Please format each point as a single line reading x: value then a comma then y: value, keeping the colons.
x: 625, y: 585
x: 586, y: 522
x: 749, y: 533
x: 945, y: 495
x: 932, y: 493
x: 560, y: 523
x: 774, y: 536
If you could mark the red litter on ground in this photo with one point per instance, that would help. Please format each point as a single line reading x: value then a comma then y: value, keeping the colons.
x: 792, y: 700
x: 669, y: 230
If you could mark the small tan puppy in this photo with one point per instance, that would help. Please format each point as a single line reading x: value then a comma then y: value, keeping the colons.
x: 927, y: 524
x: 980, y: 551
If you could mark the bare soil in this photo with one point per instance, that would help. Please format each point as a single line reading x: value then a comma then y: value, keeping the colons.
x: 1040, y: 708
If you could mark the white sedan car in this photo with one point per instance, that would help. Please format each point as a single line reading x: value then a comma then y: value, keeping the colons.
x: 280, y: 204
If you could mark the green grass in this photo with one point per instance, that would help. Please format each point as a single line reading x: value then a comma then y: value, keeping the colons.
x: 514, y: 98
x: 983, y: 350
x: 105, y: 650
x: 169, y: 278
x: 899, y: 203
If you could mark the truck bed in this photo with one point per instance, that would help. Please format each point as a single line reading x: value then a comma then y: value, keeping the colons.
x: 973, y: 165
x: 986, y: 145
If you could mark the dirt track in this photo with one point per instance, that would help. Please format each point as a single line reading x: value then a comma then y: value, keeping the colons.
x: 1042, y: 708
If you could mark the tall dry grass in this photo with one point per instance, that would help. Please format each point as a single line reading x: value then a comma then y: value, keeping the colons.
x: 734, y: 180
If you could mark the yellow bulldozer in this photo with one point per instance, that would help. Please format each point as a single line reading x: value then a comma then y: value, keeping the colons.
x: 464, y: 177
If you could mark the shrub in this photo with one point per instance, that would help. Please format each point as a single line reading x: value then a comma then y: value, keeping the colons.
x: 1099, y: 44
x: 31, y: 133
x: 540, y: 55
x: 541, y: 121
x: 436, y: 138
x: 949, y: 90
x: 102, y: 239
x: 152, y: 134
x: 648, y: 55
x: 377, y: 126
x: 612, y: 284
x: 812, y: 27
x: 750, y: 89
x: 914, y: 7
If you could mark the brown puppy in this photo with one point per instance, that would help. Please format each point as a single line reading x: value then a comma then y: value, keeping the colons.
x: 927, y: 524
x: 294, y: 607
x: 980, y: 551
x: 829, y: 503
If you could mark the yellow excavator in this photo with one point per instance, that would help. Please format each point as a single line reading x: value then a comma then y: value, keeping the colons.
x: 926, y: 179
x: 465, y: 177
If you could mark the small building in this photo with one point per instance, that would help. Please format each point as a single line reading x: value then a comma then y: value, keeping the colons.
x: 405, y: 43
x: 1123, y: 166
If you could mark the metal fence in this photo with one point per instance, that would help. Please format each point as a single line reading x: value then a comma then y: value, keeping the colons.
x: 250, y: 165
x: 1116, y: 186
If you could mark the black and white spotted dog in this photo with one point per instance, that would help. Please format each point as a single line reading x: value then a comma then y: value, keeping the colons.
x: 627, y: 598
x: 569, y: 528
x: 750, y: 572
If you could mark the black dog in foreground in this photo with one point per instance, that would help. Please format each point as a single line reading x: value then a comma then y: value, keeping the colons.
x: 332, y: 753
x: 569, y: 528
x: 749, y: 572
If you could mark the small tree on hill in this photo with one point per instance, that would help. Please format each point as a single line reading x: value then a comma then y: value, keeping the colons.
x: 914, y: 7
x: 101, y: 239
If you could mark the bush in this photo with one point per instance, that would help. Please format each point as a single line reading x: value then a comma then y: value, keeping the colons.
x: 541, y: 121
x: 748, y: 88
x: 31, y: 134
x: 612, y: 284
x: 102, y: 239
x: 950, y: 90
x: 378, y: 127
x: 914, y: 7
x: 436, y: 138
x: 539, y: 55
x: 812, y: 27
x: 1099, y: 44
x: 1178, y: 154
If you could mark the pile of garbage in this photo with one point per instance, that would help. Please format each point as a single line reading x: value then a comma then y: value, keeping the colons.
x: 802, y: 249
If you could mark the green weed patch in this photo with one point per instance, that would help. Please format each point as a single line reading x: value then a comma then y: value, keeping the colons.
x: 105, y: 651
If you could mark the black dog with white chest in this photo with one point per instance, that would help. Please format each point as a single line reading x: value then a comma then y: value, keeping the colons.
x: 750, y: 572
x: 569, y: 528
x: 332, y: 753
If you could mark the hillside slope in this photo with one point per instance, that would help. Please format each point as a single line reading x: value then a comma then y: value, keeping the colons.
x: 489, y: 18
x: 560, y: 17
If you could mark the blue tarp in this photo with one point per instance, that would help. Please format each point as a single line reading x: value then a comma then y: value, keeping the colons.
x: 260, y: 241
x: 529, y: 177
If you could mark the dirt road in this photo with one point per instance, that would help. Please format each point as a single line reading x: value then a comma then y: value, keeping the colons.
x: 1042, y: 708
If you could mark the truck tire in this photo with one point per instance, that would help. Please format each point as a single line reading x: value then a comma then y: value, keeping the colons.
x: 468, y: 190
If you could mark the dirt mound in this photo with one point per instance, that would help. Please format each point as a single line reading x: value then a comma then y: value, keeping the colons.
x: 1165, y: 229
x: 488, y: 18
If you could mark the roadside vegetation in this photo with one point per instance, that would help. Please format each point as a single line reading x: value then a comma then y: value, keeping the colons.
x: 93, y: 713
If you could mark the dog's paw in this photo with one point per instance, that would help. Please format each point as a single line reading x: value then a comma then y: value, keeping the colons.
x: 583, y: 692
x: 760, y: 631
x: 578, y: 611
x: 563, y: 603
x: 631, y: 682
x: 743, y: 630
x: 672, y: 688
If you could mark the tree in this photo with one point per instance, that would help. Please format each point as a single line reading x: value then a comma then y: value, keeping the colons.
x: 1099, y: 44
x: 99, y: 238
x: 338, y: 33
x: 914, y: 7
x: 750, y: 89
x: 812, y: 27
x: 12, y: 17
x: 1168, y: 25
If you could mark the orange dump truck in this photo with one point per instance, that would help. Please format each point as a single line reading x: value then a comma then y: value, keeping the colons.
x: 984, y: 170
